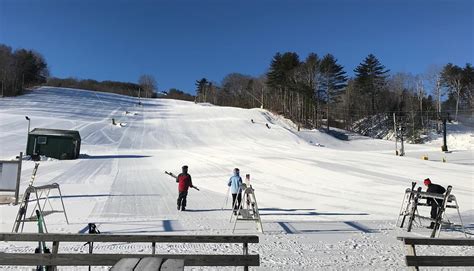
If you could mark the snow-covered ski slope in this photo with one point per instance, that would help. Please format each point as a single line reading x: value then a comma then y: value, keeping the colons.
x: 311, y: 187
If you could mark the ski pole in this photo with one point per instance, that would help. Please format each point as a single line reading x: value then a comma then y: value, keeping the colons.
x: 226, y: 198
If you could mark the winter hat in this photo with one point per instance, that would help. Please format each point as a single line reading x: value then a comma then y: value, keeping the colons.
x: 236, y: 170
x: 427, y: 181
x: 185, y: 167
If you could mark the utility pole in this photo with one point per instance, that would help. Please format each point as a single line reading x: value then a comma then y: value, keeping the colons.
x: 395, y: 133
x: 251, y: 95
x: 402, y: 130
x: 445, y: 143
x: 438, y: 92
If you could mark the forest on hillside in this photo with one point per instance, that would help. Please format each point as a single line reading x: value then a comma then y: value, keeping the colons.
x: 315, y: 92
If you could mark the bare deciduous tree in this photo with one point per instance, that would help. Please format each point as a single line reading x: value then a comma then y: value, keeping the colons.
x: 148, y: 84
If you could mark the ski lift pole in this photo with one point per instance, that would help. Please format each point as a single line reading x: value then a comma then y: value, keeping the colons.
x: 445, y: 145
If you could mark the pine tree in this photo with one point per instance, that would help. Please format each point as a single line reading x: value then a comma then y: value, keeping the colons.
x: 201, y: 90
x: 280, y: 77
x: 333, y: 81
x: 371, y: 79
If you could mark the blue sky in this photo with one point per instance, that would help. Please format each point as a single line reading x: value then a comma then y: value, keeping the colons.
x: 181, y: 41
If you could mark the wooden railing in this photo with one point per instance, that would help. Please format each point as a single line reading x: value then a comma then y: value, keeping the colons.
x: 81, y: 259
x: 415, y: 261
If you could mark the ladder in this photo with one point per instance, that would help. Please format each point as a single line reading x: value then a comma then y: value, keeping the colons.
x: 411, y: 210
x: 21, y: 215
x: 40, y: 193
x: 406, y: 204
x: 248, y: 208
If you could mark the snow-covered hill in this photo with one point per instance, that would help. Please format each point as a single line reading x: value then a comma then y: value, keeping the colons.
x: 309, y: 179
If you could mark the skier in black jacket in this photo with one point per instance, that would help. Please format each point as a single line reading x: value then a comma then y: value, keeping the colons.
x: 435, y: 203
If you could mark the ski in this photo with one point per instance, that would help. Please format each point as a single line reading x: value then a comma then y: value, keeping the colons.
x: 176, y: 177
x: 41, y: 244
x: 410, y: 198
x: 413, y: 209
x: 171, y: 174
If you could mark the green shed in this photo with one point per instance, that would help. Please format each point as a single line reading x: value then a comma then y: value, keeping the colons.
x: 59, y: 144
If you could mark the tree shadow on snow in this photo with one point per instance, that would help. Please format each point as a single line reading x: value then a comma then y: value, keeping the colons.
x: 103, y: 195
x: 297, y: 212
x: 205, y: 210
x: 167, y: 226
x: 302, y: 227
x: 85, y: 156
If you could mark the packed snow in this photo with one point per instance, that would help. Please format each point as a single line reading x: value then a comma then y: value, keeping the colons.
x: 326, y: 203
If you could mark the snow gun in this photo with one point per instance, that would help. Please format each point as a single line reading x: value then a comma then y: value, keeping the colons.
x: 176, y: 177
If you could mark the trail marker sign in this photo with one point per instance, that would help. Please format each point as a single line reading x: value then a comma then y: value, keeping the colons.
x: 10, y: 174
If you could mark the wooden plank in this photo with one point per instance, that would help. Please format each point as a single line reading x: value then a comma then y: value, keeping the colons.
x: 411, y: 251
x: 440, y: 260
x: 74, y: 237
x: 55, y: 247
x: 125, y: 264
x: 110, y: 259
x: 149, y: 264
x: 245, y: 214
x: 425, y: 195
x: 172, y: 265
x: 429, y: 205
x: 437, y: 241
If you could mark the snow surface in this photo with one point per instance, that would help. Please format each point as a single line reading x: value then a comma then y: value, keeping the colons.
x: 326, y: 203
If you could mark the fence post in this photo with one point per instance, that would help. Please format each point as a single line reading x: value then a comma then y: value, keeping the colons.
x: 18, y: 177
x: 246, y: 252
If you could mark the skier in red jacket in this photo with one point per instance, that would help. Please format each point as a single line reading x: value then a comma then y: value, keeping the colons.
x: 184, y: 182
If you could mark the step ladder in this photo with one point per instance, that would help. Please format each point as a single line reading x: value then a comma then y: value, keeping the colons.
x: 413, y: 201
x: 40, y: 193
x: 248, y: 208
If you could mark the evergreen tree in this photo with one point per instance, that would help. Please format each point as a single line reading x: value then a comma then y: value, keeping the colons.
x: 281, y: 78
x: 279, y: 75
x: 31, y: 66
x: 371, y: 78
x: 202, y: 86
x: 333, y: 81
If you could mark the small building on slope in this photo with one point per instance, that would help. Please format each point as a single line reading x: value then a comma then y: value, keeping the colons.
x: 59, y: 144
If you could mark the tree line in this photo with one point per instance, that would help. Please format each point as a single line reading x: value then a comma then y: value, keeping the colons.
x: 317, y: 93
x: 20, y: 69
x: 314, y: 92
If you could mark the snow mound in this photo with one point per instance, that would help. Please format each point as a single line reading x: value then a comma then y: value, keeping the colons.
x: 459, y: 137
